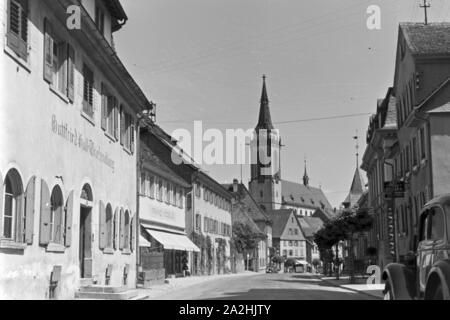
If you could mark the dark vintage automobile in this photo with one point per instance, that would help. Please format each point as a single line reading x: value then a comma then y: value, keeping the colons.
x: 426, y: 274
x: 272, y: 268
x: 295, y: 265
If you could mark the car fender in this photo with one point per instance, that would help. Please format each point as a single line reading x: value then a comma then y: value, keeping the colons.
x: 439, y: 274
x: 401, y: 280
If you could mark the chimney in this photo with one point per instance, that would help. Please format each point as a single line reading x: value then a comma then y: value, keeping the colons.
x: 235, y: 185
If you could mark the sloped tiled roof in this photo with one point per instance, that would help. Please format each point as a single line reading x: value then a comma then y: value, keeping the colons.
x: 356, y: 190
x: 329, y: 214
x: 310, y: 225
x: 391, y: 114
x: 444, y: 108
x: 279, y: 220
x: 299, y: 194
x: 155, y: 164
x: 430, y: 39
x: 255, y: 211
x: 239, y: 214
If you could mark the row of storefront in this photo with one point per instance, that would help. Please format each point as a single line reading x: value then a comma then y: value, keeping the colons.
x: 185, y: 215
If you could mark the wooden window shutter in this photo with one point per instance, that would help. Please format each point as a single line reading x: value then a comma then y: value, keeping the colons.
x: 19, y: 218
x: 116, y: 119
x: 44, y: 232
x: 1, y: 204
x: 115, y: 229
x: 122, y: 230
x: 132, y: 138
x: 102, y: 226
x: 122, y: 126
x: 48, y: 51
x: 17, y: 36
x: 104, y: 106
x: 133, y: 233
x: 69, y: 220
x: 70, y: 73
x: 29, y: 211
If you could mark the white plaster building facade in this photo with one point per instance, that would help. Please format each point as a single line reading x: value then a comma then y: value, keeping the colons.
x: 68, y: 111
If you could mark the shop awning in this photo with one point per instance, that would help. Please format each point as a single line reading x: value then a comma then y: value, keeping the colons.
x: 144, y: 242
x: 172, y: 241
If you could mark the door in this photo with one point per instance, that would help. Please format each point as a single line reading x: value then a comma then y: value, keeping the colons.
x: 85, y: 254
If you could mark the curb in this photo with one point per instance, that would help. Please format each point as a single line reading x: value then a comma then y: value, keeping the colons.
x: 350, y: 289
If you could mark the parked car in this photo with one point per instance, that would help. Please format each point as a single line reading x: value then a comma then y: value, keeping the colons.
x: 426, y: 273
x: 295, y: 265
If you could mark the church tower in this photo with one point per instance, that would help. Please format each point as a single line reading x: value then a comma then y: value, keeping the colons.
x: 265, y: 184
x: 305, y: 176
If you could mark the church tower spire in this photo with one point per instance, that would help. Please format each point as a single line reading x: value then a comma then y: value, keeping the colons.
x: 265, y: 183
x: 265, y: 120
x: 305, y: 176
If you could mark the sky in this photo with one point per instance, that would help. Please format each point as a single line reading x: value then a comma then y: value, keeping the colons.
x: 203, y: 60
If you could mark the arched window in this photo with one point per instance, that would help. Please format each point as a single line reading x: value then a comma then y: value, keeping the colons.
x: 57, y: 216
x: 12, y: 210
x: 126, y: 230
x: 109, y: 226
x: 86, y: 193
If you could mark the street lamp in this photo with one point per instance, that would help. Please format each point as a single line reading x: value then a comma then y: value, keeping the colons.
x: 248, y: 257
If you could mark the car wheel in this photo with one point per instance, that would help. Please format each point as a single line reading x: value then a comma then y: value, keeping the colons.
x: 438, y: 293
x: 388, y: 292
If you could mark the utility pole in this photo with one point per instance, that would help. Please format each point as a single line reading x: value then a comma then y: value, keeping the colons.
x: 356, y: 138
x: 425, y: 6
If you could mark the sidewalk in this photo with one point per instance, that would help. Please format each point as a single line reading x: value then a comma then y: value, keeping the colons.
x: 373, y: 290
x: 176, y: 284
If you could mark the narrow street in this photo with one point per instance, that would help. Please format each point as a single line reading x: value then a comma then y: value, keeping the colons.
x: 264, y: 287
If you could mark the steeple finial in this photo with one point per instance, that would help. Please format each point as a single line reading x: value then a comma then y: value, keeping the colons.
x: 265, y: 120
x: 264, y: 95
x: 425, y: 6
x: 305, y: 175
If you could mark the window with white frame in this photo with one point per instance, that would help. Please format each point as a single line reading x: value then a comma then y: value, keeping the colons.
x: 143, y: 184
x: 166, y: 192
x: 128, y: 134
x: 414, y: 152
x: 59, y: 65
x: 126, y: 230
x: 111, y: 116
x: 151, y: 189
x: 181, y: 194
x: 59, y: 62
x: 159, y: 191
x: 12, y: 209
x: 109, y: 225
x: 422, y: 143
